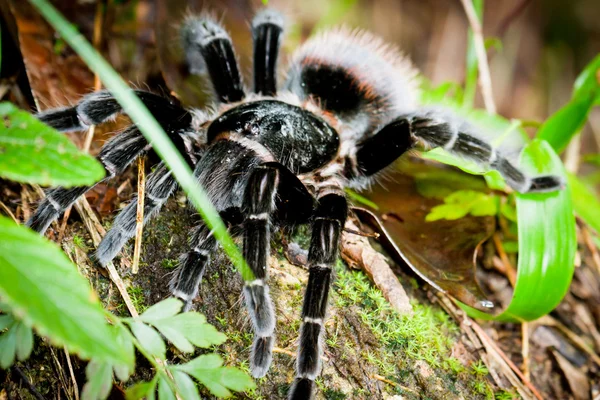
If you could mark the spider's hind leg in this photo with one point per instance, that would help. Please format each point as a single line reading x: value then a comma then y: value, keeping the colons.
x: 267, y: 31
x: 432, y: 130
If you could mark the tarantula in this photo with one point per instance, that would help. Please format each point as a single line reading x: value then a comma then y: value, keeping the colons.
x: 278, y: 157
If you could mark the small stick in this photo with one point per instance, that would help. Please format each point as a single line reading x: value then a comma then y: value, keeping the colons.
x: 72, y: 373
x: 390, y: 382
x: 511, y: 273
x: 485, y: 80
x: 32, y: 389
x: 525, y: 349
x: 139, y: 218
x: 8, y: 212
x: 587, y: 238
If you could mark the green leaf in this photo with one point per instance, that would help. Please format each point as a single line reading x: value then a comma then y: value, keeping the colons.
x: 185, y: 385
x: 588, y: 80
x: 208, y: 370
x: 149, y: 339
x: 164, y: 309
x: 591, y: 158
x: 585, y: 202
x: 194, y: 328
x: 124, y: 370
x: 357, y: 198
x: 8, y: 347
x: 31, y: 152
x: 547, y: 243
x: 141, y: 390
x: 559, y: 129
x: 46, y: 291
x: 24, y: 341
x: 6, y: 321
x: 464, y: 202
x: 99, y: 381
x: 164, y: 390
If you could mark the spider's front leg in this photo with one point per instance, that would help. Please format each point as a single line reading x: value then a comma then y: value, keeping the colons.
x: 259, y: 204
x: 329, y: 220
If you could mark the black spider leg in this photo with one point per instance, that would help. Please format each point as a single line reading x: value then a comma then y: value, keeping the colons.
x: 460, y: 139
x: 267, y: 32
x: 259, y: 204
x: 117, y: 154
x: 404, y: 132
x: 329, y: 219
x: 159, y: 187
x: 208, y: 46
x: 186, y: 280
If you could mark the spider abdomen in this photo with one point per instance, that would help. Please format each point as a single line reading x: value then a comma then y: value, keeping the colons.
x: 296, y: 137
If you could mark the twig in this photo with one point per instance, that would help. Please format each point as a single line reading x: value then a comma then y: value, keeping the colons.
x: 32, y: 389
x: 490, y: 345
x: 484, y: 71
x: 510, y: 271
x: 72, y: 373
x: 284, y: 351
x: 390, y: 382
x: 8, y: 212
x: 525, y: 349
x: 139, y: 218
x: 587, y: 239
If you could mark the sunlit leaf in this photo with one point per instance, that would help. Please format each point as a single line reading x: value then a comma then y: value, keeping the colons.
x: 588, y: 80
x: 462, y: 203
x: 149, y: 339
x: 208, y: 370
x: 547, y: 243
x: 47, y: 292
x: 164, y: 390
x: 185, y: 385
x: 141, y: 390
x: 32, y: 152
x: 161, y: 310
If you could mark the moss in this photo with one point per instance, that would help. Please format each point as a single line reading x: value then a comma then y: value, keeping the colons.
x: 479, y: 368
x: 169, y: 263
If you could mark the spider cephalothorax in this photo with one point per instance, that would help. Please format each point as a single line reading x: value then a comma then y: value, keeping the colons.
x: 279, y: 156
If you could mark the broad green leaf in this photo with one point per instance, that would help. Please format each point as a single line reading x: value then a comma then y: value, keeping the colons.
x: 585, y: 202
x: 6, y: 321
x: 141, y: 390
x: 24, y: 341
x: 208, y: 370
x: 164, y: 309
x: 124, y: 370
x: 464, y: 202
x: 46, y: 291
x: 32, y: 152
x: 193, y: 326
x: 174, y: 336
x: 99, y: 381
x: 164, y: 390
x: 547, y: 243
x: 559, y: 129
x: 185, y: 385
x: 8, y: 347
x: 149, y: 339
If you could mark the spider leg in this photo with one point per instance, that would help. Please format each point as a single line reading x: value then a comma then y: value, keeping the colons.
x: 267, y: 31
x: 159, y: 187
x: 186, y: 281
x: 459, y: 138
x: 259, y: 203
x: 117, y: 154
x: 208, y: 46
x: 327, y: 226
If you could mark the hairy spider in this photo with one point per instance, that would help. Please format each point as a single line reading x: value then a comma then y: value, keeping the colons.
x: 278, y: 157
